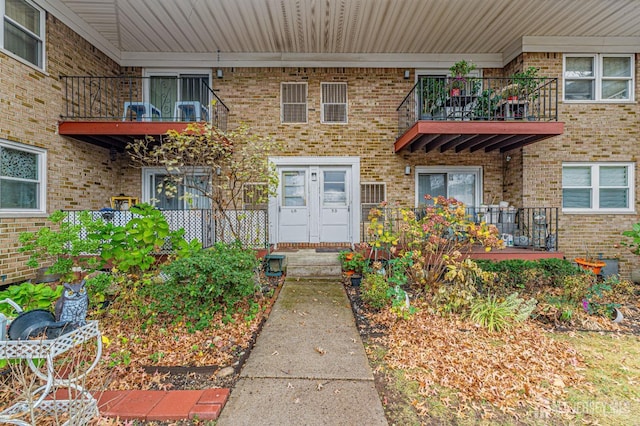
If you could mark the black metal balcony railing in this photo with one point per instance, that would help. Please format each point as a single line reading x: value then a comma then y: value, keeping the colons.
x: 129, y: 98
x: 199, y: 224
x: 475, y: 98
x: 528, y: 227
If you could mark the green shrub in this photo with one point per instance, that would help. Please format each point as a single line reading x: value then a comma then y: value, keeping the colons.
x: 496, y: 314
x: 519, y: 274
x: 29, y: 296
x: 491, y: 313
x: 374, y: 290
x: 575, y: 287
x: 131, y: 248
x: 204, y: 283
x: 61, y: 244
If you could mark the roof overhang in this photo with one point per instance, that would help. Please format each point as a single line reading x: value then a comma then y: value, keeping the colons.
x: 489, y: 136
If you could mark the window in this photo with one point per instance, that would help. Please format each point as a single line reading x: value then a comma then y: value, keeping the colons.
x: 371, y: 195
x: 255, y: 196
x: 461, y: 183
x: 184, y: 95
x: 173, y: 192
x: 598, y: 77
x: 334, y: 103
x: 22, y: 178
x: 597, y: 187
x: 23, y: 30
x: 294, y: 103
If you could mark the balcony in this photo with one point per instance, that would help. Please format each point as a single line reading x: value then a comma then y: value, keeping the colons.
x: 490, y: 114
x: 528, y: 232
x: 113, y: 111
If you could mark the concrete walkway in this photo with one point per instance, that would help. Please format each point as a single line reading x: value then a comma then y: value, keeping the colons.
x: 308, y: 366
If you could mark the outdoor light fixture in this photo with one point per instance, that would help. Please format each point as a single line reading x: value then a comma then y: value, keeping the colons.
x: 407, y: 74
x: 219, y: 72
x: 508, y: 158
x: 407, y: 170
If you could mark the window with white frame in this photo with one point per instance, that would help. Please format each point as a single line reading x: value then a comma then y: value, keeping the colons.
x: 462, y: 183
x: 22, y: 178
x: 294, y: 102
x: 598, y: 187
x: 333, y: 99
x: 176, y: 192
x: 598, y: 77
x: 23, y: 30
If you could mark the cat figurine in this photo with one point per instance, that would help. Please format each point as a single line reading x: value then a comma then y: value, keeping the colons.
x: 72, y: 305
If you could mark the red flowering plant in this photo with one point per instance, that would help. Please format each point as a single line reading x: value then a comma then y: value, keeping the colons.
x: 440, y: 236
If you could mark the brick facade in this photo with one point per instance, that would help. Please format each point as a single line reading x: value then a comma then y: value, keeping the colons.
x: 79, y: 175
x: 84, y: 176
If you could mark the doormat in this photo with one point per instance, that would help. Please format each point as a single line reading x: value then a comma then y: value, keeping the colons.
x: 330, y: 249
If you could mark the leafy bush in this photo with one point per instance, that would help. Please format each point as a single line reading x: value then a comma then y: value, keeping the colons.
x: 204, y: 283
x: 460, y: 288
x: 497, y: 314
x: 61, y: 244
x: 132, y: 247
x: 374, y: 290
x: 519, y: 274
x: 29, y: 296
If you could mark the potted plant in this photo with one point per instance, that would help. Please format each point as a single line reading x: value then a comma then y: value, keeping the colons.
x: 352, y: 262
x: 486, y: 104
x: 459, y: 73
x: 589, y: 263
x: 526, y: 83
x: 634, y: 246
x: 433, y: 96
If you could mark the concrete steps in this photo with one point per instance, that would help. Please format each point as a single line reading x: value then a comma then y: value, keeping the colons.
x: 308, y: 263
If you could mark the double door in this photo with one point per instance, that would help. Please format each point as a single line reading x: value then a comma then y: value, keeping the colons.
x: 314, y: 204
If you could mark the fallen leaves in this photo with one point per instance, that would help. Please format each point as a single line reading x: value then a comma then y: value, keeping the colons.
x: 516, y: 368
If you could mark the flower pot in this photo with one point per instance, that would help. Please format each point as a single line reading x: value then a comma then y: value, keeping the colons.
x: 455, y: 92
x: 618, y: 316
x: 594, y: 266
x: 356, y: 279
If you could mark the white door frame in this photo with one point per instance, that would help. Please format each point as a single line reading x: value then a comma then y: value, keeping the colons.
x: 353, y: 162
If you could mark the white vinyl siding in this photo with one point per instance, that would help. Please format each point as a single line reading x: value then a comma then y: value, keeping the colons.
x: 334, y: 103
x: 23, y: 30
x: 597, y: 187
x: 293, y: 103
x: 598, y: 78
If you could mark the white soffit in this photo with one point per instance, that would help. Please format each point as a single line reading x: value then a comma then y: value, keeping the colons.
x: 353, y: 31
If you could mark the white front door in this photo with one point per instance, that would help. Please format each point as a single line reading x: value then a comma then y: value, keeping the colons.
x: 335, y: 205
x: 314, y: 204
x: 293, y: 206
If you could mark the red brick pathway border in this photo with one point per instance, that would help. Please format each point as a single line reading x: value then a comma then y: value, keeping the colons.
x: 162, y: 405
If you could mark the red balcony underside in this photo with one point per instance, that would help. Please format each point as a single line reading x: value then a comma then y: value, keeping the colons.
x: 475, y: 135
x: 116, y: 134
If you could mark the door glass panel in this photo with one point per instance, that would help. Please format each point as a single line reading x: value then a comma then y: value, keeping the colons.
x: 431, y: 184
x: 163, y: 92
x: 462, y: 187
x: 335, y: 192
x: 194, y: 88
x: 293, y: 189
